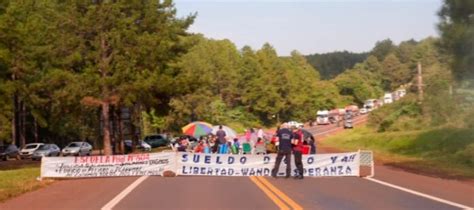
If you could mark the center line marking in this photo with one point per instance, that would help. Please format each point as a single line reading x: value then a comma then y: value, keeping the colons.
x: 269, y: 193
x: 280, y: 194
x: 124, y: 193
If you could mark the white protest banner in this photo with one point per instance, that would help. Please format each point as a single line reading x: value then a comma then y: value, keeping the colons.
x: 339, y: 164
x: 107, y: 166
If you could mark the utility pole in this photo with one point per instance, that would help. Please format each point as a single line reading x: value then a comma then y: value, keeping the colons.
x: 420, y: 84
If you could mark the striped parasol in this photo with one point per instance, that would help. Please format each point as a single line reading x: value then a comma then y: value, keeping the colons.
x: 197, y: 129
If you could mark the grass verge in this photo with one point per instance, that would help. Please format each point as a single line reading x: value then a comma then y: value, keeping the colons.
x: 19, y: 181
x: 446, y: 152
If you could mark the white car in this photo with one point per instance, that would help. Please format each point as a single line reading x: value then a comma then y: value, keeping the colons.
x: 78, y: 148
x: 28, y: 150
x: 363, y: 111
x: 295, y: 124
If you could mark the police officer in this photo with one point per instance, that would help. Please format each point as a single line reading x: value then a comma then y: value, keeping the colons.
x: 284, y: 137
x: 297, y: 142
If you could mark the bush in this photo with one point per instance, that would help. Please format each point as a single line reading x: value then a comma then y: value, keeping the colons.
x: 402, y: 114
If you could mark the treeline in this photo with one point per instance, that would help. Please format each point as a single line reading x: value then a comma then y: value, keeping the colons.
x: 108, y: 70
x: 332, y: 64
x: 70, y: 70
x: 391, y: 66
x: 448, y: 76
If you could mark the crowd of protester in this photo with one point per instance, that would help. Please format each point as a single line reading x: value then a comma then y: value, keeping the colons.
x: 254, y: 141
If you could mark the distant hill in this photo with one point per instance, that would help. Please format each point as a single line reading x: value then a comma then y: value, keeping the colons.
x: 331, y: 64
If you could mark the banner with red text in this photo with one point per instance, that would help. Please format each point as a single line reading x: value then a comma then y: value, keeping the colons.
x: 108, y: 166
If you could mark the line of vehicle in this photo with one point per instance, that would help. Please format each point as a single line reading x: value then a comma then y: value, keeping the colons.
x: 124, y: 193
x: 419, y: 193
x: 337, y: 128
x: 269, y: 194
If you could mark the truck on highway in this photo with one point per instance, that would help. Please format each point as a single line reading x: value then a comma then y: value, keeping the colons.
x: 401, y: 92
x: 387, y: 98
x: 354, y: 109
x: 322, y: 117
x: 371, y: 104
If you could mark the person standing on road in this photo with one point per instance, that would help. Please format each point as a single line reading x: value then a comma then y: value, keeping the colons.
x: 284, y: 136
x: 298, y: 151
x: 221, y: 137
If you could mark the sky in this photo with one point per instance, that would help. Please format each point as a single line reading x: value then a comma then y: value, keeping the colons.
x: 312, y: 26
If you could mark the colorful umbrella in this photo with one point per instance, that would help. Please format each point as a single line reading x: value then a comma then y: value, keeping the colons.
x: 197, y: 129
x: 229, y: 132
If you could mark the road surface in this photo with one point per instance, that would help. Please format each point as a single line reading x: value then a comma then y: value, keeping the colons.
x: 389, y: 189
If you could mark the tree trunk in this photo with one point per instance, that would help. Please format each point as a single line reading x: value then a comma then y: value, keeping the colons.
x: 35, y: 124
x: 120, y: 130
x: 114, y: 129
x: 15, y: 120
x: 106, y: 128
x: 22, y: 124
x: 133, y: 129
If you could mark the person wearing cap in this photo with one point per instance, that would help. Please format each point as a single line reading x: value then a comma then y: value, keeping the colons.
x: 284, y: 137
x: 298, y: 151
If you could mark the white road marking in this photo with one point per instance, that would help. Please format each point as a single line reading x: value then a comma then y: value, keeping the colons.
x: 419, y: 194
x: 124, y: 193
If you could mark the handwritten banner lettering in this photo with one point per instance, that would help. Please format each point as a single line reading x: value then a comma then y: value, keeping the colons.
x: 108, y: 166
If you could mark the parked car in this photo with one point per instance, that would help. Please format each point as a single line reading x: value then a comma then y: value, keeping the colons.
x: 9, y: 151
x: 141, y: 145
x: 77, y: 148
x: 28, y: 150
x: 46, y: 150
x: 156, y: 140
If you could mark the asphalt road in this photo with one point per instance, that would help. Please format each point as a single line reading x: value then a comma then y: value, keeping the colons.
x: 154, y: 192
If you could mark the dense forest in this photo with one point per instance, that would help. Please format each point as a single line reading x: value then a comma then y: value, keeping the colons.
x: 70, y: 70
x: 332, y: 64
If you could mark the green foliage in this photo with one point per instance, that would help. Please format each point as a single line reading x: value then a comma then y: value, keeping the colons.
x: 404, y: 114
x: 394, y: 73
x: 382, y: 49
x: 332, y: 64
x: 152, y: 123
x: 446, y: 149
x: 361, y: 83
x: 457, y: 36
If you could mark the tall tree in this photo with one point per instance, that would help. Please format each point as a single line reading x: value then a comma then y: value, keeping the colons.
x: 112, y: 46
x: 382, y: 49
x: 24, y: 57
x: 457, y: 35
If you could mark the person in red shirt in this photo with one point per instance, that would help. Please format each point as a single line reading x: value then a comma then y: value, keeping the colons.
x: 298, y: 151
x: 200, y: 147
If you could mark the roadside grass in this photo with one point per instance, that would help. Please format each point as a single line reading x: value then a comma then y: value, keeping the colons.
x: 19, y: 181
x: 446, y: 152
